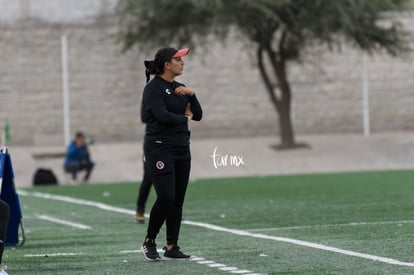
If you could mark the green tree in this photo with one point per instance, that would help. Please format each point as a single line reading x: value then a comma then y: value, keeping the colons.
x: 280, y: 30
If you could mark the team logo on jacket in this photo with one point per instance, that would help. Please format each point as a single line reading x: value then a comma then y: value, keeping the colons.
x: 160, y: 165
x: 168, y: 91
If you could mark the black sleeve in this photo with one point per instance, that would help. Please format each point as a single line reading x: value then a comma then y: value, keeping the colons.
x: 195, y: 108
x: 154, y: 103
x: 144, y: 117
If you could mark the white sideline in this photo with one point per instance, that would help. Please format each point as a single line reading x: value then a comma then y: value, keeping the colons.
x: 203, y: 261
x: 60, y: 221
x: 227, y: 230
x: 331, y: 225
x: 52, y: 255
x: 302, y: 243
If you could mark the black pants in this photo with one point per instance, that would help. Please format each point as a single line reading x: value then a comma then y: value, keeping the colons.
x: 169, y: 168
x: 4, y: 222
x: 144, y: 189
x: 75, y: 167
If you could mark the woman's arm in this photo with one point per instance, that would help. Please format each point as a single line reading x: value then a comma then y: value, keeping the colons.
x: 153, y: 103
x: 192, y: 99
x: 195, y: 108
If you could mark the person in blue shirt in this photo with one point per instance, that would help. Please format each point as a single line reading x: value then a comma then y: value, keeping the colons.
x: 78, y: 157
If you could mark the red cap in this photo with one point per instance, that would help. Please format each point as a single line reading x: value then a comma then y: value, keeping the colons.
x: 181, y: 52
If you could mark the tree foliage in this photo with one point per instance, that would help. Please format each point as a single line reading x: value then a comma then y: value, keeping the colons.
x: 280, y: 30
x: 162, y: 22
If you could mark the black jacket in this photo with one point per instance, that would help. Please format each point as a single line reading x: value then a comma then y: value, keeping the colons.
x: 163, y: 112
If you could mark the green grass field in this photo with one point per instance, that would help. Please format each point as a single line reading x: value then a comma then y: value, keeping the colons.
x: 349, y: 223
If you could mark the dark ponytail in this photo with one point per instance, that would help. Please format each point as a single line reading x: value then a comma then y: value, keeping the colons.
x: 151, y: 68
x: 156, y: 66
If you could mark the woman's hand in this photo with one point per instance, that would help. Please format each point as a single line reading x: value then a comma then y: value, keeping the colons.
x: 188, y: 112
x: 182, y: 90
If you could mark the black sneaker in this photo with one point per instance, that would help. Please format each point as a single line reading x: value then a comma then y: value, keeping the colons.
x: 175, y: 254
x: 149, y: 248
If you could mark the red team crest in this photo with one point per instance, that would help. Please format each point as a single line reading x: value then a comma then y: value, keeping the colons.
x: 160, y: 165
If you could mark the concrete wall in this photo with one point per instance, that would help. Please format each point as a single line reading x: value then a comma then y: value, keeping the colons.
x: 106, y: 85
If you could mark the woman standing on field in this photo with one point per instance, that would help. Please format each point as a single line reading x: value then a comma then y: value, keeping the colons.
x: 167, y: 107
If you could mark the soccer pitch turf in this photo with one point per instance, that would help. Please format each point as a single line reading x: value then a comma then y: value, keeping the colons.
x: 348, y: 223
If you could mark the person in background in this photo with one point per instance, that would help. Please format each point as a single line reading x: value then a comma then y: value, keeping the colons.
x: 78, y: 157
x: 143, y: 193
x: 4, y: 222
x: 167, y: 108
